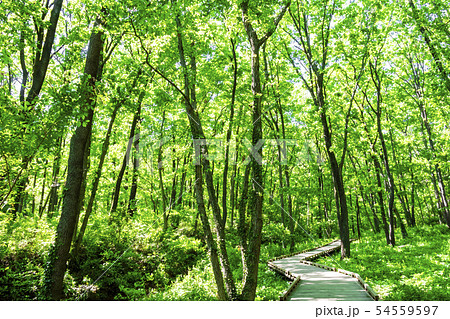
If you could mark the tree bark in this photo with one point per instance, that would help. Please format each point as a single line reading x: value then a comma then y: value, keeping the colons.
x: 60, y: 251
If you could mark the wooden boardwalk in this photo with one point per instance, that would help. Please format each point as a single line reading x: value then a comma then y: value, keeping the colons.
x: 313, y: 282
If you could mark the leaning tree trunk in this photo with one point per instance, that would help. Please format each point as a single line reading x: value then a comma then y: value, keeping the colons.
x: 96, y: 182
x: 59, y: 253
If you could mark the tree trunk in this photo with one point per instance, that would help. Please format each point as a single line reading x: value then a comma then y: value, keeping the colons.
x: 201, y: 152
x: 134, y: 178
x: 381, y: 198
x: 230, y: 128
x: 41, y: 62
x: 131, y: 137
x: 59, y: 253
x: 53, y: 201
x: 390, y: 179
x: 97, y: 176
x: 434, y: 52
x: 256, y: 194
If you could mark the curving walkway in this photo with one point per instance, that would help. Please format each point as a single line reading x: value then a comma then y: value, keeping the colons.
x: 314, y: 282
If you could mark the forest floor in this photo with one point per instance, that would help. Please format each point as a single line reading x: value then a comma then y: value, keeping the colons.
x: 175, y: 266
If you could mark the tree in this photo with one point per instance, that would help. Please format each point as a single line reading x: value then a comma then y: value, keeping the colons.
x: 315, y: 62
x: 59, y: 253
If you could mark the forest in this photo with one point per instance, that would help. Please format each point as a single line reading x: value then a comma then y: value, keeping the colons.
x: 167, y: 149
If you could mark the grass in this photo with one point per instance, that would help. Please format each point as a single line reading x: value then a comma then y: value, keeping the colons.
x: 417, y: 268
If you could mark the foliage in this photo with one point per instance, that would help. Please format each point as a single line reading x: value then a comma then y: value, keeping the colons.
x: 312, y: 76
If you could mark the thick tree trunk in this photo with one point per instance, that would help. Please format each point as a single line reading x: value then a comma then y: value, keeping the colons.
x: 257, y: 191
x: 71, y: 203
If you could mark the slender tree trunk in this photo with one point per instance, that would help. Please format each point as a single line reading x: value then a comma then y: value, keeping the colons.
x: 41, y: 201
x: 33, y: 202
x: 160, y: 175
x: 287, y: 181
x: 242, y: 225
x: 403, y: 199
x: 413, y: 203
x: 201, y: 152
x: 230, y: 128
x: 41, y: 62
x: 431, y: 46
x: 390, y: 179
x: 233, y: 192
x: 183, y: 181
x: 55, y: 183
x: 381, y: 198
x: 131, y: 137
x: 358, y: 218
x: 134, y: 178
x: 439, y: 188
x: 97, y: 176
